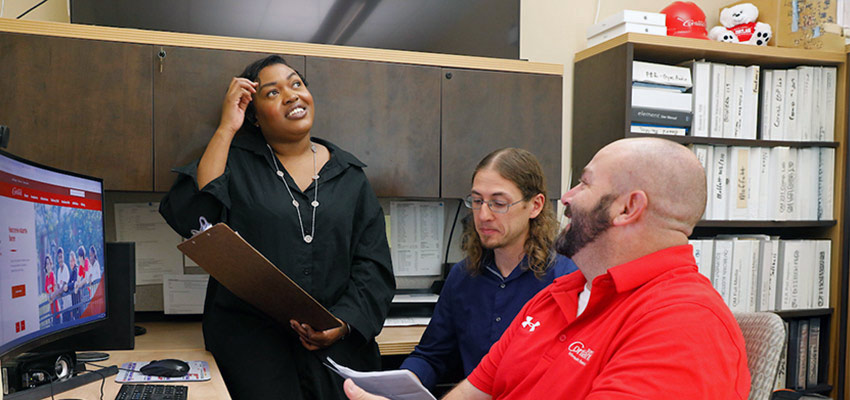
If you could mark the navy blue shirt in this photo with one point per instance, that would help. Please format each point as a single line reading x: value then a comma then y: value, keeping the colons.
x: 472, y: 313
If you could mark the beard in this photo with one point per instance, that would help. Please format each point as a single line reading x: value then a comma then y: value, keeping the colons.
x: 584, y: 227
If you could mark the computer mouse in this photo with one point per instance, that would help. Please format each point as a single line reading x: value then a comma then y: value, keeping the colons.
x: 169, y: 368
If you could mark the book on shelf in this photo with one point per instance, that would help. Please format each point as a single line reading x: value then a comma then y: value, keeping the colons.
x: 790, y: 125
x: 768, y: 258
x: 701, y: 72
x: 722, y: 271
x: 777, y: 106
x: 741, y: 269
x: 728, y: 99
x: 766, y: 105
x: 754, y: 182
x: 661, y: 74
x: 708, y: 257
x: 813, y: 355
x: 705, y: 155
x: 823, y: 259
x: 790, y: 253
x: 825, y: 183
x: 658, y: 129
x: 792, y: 354
x: 817, y: 102
x: 764, y: 185
x: 661, y: 99
x: 780, y: 157
x: 652, y: 116
x: 828, y: 121
x: 719, y: 183
x: 737, y: 106
x: 658, y: 86
x: 739, y: 170
x: 718, y: 85
x: 750, y: 102
x: 802, y: 354
x: 804, y: 102
x: 792, y: 204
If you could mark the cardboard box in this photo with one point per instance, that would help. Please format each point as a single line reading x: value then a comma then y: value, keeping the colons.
x: 803, y: 27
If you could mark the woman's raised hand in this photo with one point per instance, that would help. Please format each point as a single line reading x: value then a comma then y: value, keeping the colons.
x: 235, y: 102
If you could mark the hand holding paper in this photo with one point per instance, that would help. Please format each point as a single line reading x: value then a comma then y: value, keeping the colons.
x: 398, y: 384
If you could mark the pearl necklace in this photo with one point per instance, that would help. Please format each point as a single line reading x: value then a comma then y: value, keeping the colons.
x: 315, y: 204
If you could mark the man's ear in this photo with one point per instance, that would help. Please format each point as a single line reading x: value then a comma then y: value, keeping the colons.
x: 537, y: 203
x: 634, y: 206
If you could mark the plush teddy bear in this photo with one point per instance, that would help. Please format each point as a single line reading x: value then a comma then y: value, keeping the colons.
x: 740, y: 26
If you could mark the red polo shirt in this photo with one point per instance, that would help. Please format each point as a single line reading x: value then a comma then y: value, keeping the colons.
x: 654, y: 328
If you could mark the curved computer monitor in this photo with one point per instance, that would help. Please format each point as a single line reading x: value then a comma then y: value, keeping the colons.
x: 52, y: 275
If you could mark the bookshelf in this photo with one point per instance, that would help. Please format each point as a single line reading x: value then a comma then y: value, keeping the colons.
x: 601, y: 114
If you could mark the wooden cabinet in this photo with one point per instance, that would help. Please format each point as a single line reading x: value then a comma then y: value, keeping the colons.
x: 188, y: 90
x: 79, y: 105
x: 387, y: 115
x: 601, y: 114
x: 130, y: 105
x: 483, y: 111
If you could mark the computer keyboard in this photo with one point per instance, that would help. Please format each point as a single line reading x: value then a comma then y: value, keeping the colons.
x: 138, y: 391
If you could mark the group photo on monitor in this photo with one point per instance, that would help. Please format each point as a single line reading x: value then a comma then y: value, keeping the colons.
x: 68, y: 241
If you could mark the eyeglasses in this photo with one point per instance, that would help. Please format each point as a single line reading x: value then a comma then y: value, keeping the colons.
x: 496, y: 206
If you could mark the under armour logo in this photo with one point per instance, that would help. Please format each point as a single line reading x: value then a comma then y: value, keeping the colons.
x: 530, y: 325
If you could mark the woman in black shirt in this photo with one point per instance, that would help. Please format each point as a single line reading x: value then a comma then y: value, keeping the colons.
x: 306, y: 205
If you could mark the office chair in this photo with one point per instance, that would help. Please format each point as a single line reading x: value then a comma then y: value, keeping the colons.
x: 764, y: 337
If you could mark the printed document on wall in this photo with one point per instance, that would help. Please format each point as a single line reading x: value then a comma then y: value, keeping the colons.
x: 417, y: 237
x: 184, y: 294
x: 156, y: 242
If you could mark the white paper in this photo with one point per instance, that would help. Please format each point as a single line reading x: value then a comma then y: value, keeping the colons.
x: 184, y: 294
x: 407, y: 321
x: 399, y: 384
x: 417, y: 237
x: 156, y: 242
x: 416, y: 298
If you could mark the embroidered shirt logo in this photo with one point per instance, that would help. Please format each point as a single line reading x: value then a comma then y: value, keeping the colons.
x: 530, y: 325
x: 580, y: 353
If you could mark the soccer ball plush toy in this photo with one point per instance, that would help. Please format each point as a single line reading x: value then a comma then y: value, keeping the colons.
x: 740, y: 26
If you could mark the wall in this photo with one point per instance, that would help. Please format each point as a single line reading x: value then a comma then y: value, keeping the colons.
x: 552, y: 31
x: 52, y: 10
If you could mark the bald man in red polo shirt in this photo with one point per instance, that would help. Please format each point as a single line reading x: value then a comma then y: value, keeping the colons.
x: 639, y: 321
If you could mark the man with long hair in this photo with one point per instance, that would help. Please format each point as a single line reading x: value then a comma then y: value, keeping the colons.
x: 509, y: 258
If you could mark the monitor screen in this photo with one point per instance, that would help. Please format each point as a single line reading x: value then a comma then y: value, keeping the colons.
x: 486, y: 28
x: 51, y: 254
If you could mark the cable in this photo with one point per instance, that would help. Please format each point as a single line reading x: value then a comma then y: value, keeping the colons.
x: 31, y: 8
x: 451, y: 231
x: 598, y: 6
x: 2, y: 7
x: 102, y: 366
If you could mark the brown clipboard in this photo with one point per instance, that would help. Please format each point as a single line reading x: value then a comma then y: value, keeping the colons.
x: 238, y: 266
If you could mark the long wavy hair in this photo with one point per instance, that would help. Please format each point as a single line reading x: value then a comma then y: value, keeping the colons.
x: 522, y: 168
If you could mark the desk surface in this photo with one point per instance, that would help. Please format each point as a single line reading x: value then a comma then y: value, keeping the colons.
x: 394, y: 340
x: 184, y: 340
x: 212, y: 389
